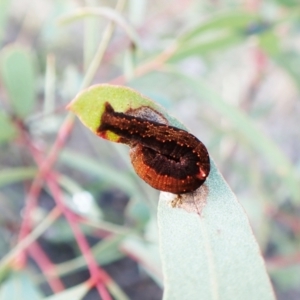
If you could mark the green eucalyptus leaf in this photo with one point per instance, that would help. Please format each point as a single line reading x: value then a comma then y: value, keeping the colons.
x: 18, y: 74
x: 232, y: 20
x: 207, y: 45
x: 210, y: 253
x: 89, y: 104
x: 207, y: 247
x: 217, y: 32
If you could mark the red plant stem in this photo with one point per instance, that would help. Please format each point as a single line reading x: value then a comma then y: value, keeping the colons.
x: 46, y: 266
x: 60, y: 141
x: 34, y: 249
x: 66, y: 128
x: 45, y: 166
x: 99, y: 276
x: 35, y: 189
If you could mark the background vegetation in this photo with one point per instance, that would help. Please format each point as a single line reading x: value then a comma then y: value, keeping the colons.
x: 227, y: 69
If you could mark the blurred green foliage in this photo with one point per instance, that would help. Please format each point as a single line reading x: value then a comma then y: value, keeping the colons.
x: 229, y: 70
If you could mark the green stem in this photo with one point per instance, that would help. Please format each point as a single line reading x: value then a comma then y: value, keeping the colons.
x: 91, y: 71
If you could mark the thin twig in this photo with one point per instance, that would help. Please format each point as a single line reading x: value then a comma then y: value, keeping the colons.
x: 95, y: 63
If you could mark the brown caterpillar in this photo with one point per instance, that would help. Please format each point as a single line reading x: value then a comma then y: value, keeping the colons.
x: 166, y: 157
